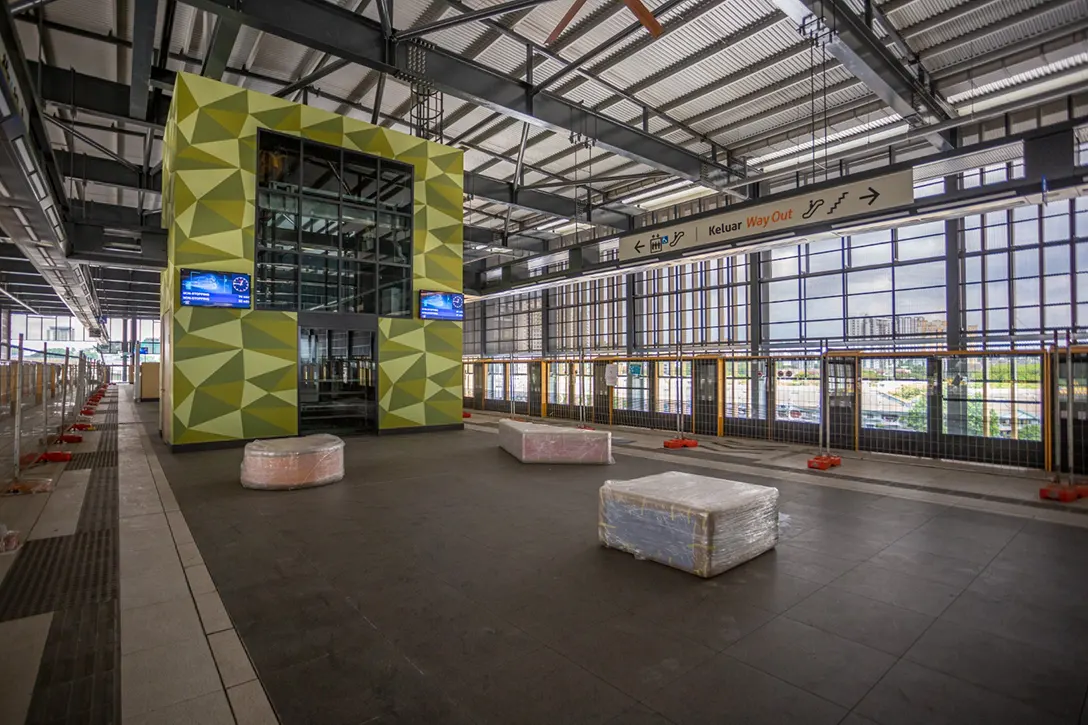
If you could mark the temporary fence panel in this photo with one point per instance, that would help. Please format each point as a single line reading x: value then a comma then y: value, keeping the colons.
x: 1000, y: 407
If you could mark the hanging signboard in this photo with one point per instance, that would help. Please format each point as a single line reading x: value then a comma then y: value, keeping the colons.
x: 611, y: 374
x: 827, y: 205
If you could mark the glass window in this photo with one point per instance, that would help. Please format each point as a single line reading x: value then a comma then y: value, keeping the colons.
x: 1056, y: 259
x: 394, y: 239
x: 320, y: 170
x: 321, y: 244
x: 279, y: 163
x: 361, y: 178
x: 394, y: 291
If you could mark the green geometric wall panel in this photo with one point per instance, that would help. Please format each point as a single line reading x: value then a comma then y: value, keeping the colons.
x: 419, y: 373
x: 234, y: 374
x: 209, y: 211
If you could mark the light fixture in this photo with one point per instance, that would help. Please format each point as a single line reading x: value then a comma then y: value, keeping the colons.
x: 549, y: 225
x: 4, y: 190
x: 21, y: 215
x: 655, y: 192
x: 23, y: 152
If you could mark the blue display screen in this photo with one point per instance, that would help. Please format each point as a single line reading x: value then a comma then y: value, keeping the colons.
x: 200, y: 288
x: 441, y: 306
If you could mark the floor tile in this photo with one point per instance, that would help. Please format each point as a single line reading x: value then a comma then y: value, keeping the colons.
x: 160, y: 586
x: 821, y: 663
x: 159, y: 624
x: 152, y: 679
x: 911, y: 694
x: 23, y: 643
x: 938, y: 568
x: 894, y: 587
x: 477, y: 642
x: 866, y: 621
x: 1022, y: 622
x: 190, y: 555
x: 210, y: 709
x: 543, y: 688
x: 633, y: 655
x: 231, y: 658
x: 716, y: 621
x: 348, y: 687
x: 639, y: 715
x: 1036, y: 676
x: 726, y: 690
x: 213, y: 615
x: 838, y: 544
x: 769, y: 590
x: 855, y: 719
x: 960, y: 547
x: 811, y: 565
x: 199, y: 580
x: 250, y: 704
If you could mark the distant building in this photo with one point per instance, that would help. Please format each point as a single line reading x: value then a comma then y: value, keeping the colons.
x: 886, y: 326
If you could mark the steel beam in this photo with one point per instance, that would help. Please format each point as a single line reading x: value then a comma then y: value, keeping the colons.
x: 220, y: 47
x: 862, y: 53
x: 494, y: 11
x: 22, y: 6
x: 144, y: 18
x: 311, y: 78
x: 332, y: 29
x: 105, y: 96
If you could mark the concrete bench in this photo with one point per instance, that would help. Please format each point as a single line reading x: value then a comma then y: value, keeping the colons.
x: 536, y: 443
x: 288, y: 463
x: 695, y: 523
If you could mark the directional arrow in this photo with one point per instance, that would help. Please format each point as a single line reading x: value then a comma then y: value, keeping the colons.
x: 638, y: 247
x: 871, y: 196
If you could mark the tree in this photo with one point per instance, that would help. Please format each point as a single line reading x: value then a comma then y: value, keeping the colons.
x: 916, y: 417
x: 1030, y: 432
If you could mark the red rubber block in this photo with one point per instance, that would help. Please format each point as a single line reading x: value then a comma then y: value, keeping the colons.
x: 466, y: 415
x: 834, y: 460
x: 87, y: 411
x: 70, y: 438
x: 1057, y: 492
x: 820, y: 463
x: 81, y: 426
x: 55, y: 457
x: 676, y: 443
x: 690, y: 443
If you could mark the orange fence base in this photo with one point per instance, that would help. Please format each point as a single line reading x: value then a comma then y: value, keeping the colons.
x: 822, y: 463
x: 1058, y: 492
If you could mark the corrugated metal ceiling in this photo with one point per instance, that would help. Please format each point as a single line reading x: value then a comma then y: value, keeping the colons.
x: 760, y: 96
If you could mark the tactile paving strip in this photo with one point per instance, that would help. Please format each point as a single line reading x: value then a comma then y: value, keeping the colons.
x: 90, y: 459
x: 79, y: 681
x: 60, y: 572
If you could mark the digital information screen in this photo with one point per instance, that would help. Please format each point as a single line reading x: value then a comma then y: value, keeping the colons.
x: 200, y: 288
x: 441, y: 306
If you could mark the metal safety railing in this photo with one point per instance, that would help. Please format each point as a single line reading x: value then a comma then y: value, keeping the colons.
x: 1022, y: 408
x: 42, y: 392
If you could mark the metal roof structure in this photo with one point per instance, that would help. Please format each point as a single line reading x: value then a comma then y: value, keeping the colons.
x: 604, y: 123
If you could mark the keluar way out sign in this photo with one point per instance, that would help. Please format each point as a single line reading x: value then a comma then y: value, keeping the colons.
x: 826, y: 205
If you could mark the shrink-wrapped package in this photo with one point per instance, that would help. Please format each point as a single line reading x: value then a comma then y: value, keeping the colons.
x: 536, y: 443
x: 696, y: 523
x: 285, y: 463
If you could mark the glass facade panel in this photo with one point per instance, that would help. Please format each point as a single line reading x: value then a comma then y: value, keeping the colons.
x: 334, y: 230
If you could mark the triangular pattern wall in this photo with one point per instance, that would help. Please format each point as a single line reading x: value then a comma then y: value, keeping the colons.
x: 220, y: 387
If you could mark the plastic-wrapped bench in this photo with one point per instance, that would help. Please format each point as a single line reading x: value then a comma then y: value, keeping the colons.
x: 536, y: 443
x: 699, y: 524
x: 287, y: 463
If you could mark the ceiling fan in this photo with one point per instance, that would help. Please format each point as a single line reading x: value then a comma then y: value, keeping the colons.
x: 635, y: 6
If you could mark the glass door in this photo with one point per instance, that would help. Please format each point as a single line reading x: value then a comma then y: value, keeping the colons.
x: 337, y: 387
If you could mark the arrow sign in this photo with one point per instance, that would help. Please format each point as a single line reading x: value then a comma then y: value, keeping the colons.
x: 872, y: 196
x: 638, y: 247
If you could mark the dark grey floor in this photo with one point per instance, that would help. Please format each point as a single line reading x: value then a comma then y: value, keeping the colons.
x: 443, y: 582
